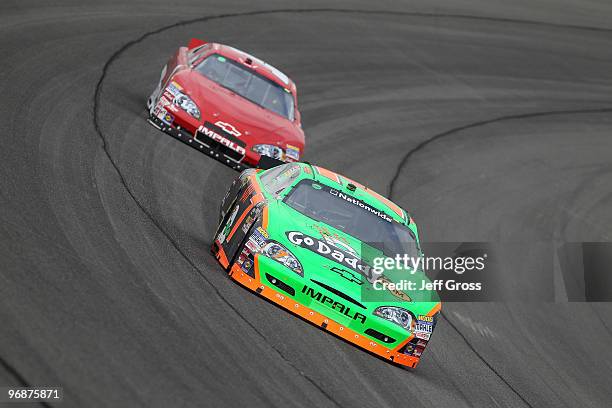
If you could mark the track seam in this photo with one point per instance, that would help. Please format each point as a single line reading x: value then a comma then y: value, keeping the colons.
x: 493, y: 370
x: 22, y: 381
x: 458, y: 129
x: 596, y: 313
x: 117, y: 53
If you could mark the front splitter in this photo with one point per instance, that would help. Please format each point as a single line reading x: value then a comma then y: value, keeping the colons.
x: 187, y: 138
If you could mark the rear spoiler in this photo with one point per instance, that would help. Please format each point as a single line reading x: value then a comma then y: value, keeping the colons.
x: 266, y: 162
x: 194, y: 43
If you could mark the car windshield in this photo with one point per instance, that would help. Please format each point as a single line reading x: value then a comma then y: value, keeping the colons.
x: 248, y: 84
x: 351, y: 215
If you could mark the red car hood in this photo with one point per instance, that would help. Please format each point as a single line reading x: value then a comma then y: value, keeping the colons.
x: 256, y: 124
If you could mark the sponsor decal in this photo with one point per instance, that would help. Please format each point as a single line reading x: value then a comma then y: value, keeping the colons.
x: 246, y: 266
x: 292, y: 171
x: 425, y: 318
x: 263, y: 232
x: 229, y: 128
x: 248, y: 222
x: 252, y: 245
x: 416, y: 347
x: 167, y: 98
x: 333, y: 254
x: 228, y: 226
x: 423, y: 330
x: 223, y: 140
x: 333, y: 304
x: 247, y: 192
x: 245, y: 261
x: 165, y: 116
x: 174, y: 89
x: 163, y: 101
x: 422, y: 335
x: 258, y: 238
x: 168, y: 118
x: 334, y: 239
x: 250, y: 219
x: 359, y: 204
x: 292, y: 152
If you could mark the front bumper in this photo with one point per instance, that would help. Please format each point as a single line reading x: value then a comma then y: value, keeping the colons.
x: 187, y: 138
x: 394, y: 355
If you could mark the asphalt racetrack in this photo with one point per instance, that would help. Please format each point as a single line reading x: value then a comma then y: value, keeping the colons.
x: 487, y: 121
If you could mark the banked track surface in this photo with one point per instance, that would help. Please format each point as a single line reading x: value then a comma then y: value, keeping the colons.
x: 494, y: 126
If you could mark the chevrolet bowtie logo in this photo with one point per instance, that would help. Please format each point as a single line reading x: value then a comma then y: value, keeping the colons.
x: 229, y: 128
x: 346, y: 274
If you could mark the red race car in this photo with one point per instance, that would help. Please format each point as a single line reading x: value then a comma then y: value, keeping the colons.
x: 228, y: 104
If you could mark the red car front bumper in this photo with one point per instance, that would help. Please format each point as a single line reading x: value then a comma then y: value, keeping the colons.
x: 206, y: 145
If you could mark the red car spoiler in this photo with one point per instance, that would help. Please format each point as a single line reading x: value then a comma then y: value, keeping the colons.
x: 194, y: 42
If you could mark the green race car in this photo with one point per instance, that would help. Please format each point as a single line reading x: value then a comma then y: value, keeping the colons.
x: 307, y: 239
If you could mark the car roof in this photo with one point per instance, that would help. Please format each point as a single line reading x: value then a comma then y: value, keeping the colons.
x: 377, y: 200
x: 257, y: 65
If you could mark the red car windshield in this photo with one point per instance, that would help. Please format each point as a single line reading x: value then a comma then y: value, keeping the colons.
x: 248, y: 84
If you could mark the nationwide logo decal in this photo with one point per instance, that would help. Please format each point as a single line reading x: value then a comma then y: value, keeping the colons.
x: 332, y: 304
x: 229, y: 128
x: 360, y: 204
x: 224, y: 141
x: 333, y: 254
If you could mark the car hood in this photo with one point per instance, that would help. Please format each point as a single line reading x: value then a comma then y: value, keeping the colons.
x: 289, y: 227
x: 255, y: 123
